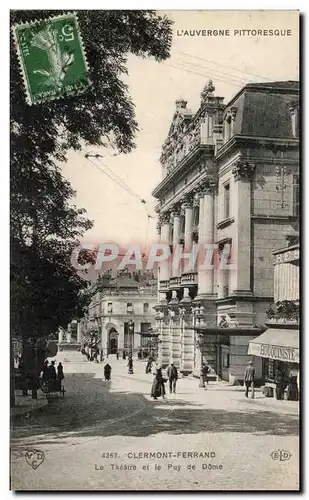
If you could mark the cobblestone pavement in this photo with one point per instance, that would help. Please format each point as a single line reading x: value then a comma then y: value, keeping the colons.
x: 98, y: 436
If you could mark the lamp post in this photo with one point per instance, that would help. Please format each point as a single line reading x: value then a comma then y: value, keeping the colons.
x: 131, y: 333
x: 199, y: 343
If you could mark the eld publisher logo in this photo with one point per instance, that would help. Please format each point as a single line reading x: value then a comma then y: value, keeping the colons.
x: 281, y: 455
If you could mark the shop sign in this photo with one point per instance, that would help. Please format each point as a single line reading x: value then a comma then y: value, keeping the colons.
x: 289, y: 354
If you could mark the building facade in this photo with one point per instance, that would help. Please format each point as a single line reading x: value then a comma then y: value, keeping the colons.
x: 230, y: 185
x: 279, y: 345
x: 122, y: 315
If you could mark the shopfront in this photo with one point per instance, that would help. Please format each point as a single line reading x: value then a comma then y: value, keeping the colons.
x: 279, y: 348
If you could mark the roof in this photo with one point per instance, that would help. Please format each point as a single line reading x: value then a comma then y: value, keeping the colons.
x: 262, y: 109
x: 284, y: 84
x: 123, y: 282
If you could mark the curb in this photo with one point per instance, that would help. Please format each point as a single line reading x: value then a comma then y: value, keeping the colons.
x: 24, y: 410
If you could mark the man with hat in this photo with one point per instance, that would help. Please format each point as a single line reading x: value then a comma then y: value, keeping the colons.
x: 249, y: 378
x: 172, y: 375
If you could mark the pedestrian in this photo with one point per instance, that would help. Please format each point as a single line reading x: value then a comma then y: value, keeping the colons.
x: 123, y: 354
x: 130, y: 365
x: 172, y: 375
x: 60, y: 375
x: 52, y: 371
x: 206, y: 370
x: 158, y: 388
x: 249, y: 379
x: 281, y: 381
x: 45, y: 372
x: 149, y: 366
x: 107, y: 372
x: 117, y: 355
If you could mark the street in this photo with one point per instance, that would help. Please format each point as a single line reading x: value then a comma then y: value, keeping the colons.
x: 113, y: 436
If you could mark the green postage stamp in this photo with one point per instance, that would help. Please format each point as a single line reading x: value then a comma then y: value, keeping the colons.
x: 52, y: 58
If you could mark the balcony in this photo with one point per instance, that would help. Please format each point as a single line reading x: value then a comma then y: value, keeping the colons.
x: 189, y: 279
x: 175, y: 283
x: 164, y: 286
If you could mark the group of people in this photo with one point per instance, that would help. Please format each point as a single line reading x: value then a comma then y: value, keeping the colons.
x: 283, y: 381
x: 158, y: 387
x: 49, y: 372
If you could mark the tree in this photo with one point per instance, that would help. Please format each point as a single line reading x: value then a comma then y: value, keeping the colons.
x: 105, y: 111
x: 46, y: 291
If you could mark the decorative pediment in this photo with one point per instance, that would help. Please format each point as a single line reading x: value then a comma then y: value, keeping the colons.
x: 181, y: 114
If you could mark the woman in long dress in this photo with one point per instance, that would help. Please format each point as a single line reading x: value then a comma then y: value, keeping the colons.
x: 107, y: 372
x: 130, y: 366
x: 158, y: 388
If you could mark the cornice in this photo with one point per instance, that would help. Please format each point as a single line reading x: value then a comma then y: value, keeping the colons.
x: 188, y: 161
x: 239, y: 140
x: 187, y: 190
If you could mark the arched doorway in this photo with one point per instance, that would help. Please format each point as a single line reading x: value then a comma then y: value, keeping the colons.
x: 113, y: 341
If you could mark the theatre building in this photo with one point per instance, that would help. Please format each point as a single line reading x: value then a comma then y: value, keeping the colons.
x: 229, y: 180
x: 278, y: 346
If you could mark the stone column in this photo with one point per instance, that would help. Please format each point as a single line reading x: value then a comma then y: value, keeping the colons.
x: 69, y: 335
x: 241, y: 250
x: 206, y: 237
x: 175, y: 271
x: 165, y: 239
x: 188, y: 207
x: 78, y: 332
x: 164, y: 275
x: 175, y: 351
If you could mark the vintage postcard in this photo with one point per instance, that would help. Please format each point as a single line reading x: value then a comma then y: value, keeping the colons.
x: 155, y: 212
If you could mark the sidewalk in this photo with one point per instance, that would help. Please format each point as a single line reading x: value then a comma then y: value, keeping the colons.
x: 25, y: 405
x: 215, y: 395
x: 189, y: 390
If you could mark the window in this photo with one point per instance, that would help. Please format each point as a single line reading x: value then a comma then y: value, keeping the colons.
x: 227, y: 128
x: 145, y: 327
x: 109, y: 307
x: 146, y: 308
x: 129, y: 307
x: 296, y: 195
x: 295, y: 120
x: 144, y: 341
x: 226, y: 201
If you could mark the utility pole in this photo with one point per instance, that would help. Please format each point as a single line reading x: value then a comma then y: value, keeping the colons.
x: 131, y: 333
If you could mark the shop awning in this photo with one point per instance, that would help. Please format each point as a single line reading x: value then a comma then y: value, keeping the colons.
x: 276, y: 343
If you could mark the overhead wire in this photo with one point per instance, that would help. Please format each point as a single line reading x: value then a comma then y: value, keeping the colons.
x: 220, y: 79
x: 114, y: 177
x: 221, y: 65
x: 218, y: 74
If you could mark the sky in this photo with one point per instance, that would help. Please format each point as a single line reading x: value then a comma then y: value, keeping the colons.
x: 230, y: 61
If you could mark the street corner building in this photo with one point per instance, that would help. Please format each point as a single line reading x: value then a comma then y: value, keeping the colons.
x: 278, y: 346
x: 230, y: 177
x: 120, y: 316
